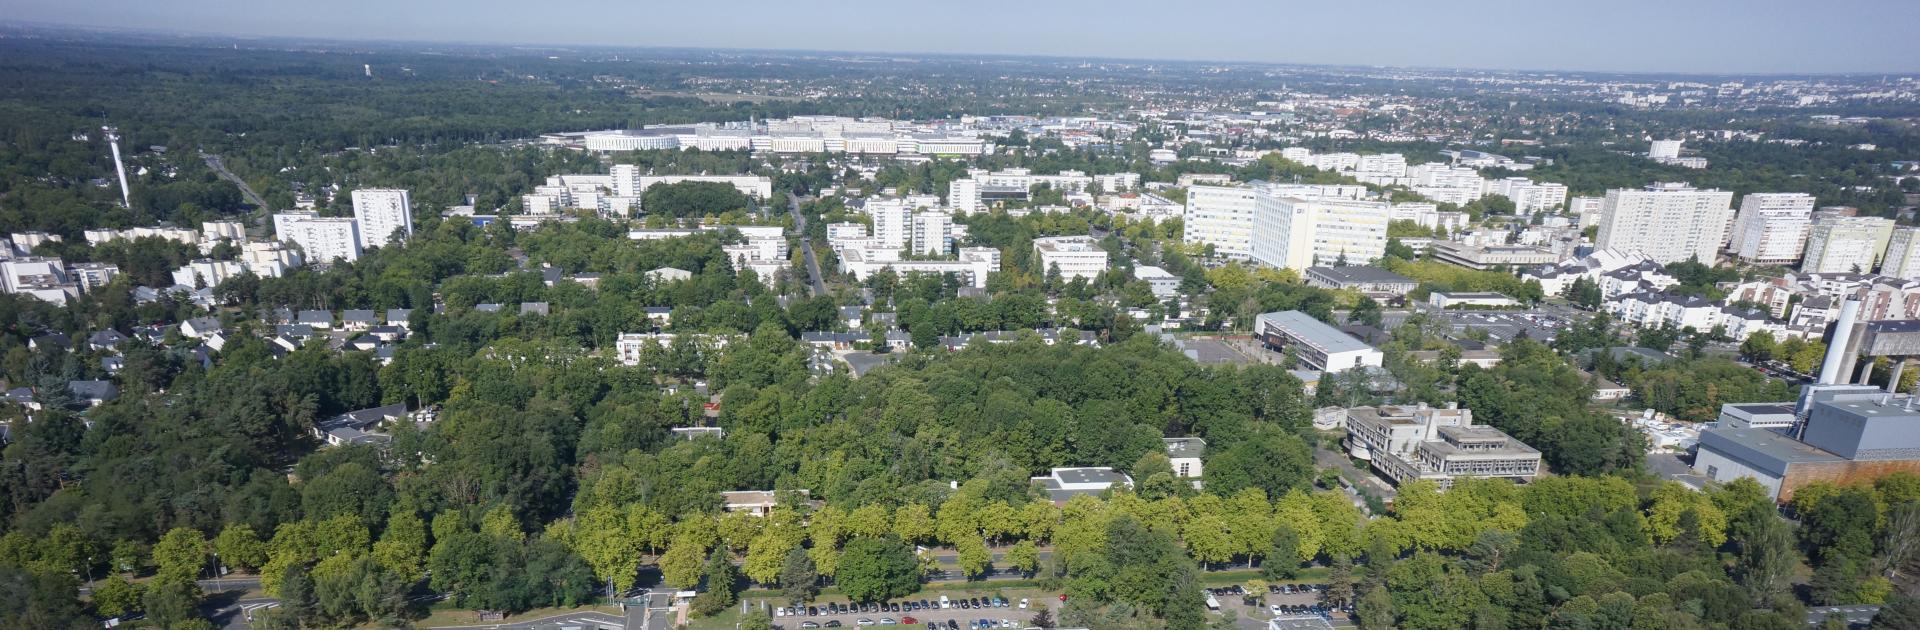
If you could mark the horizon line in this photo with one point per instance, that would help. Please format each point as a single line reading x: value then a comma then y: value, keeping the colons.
x: 7, y: 24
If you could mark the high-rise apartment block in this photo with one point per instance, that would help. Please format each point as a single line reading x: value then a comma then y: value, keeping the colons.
x: 1772, y: 228
x: 385, y: 215
x: 932, y: 233
x: 1846, y: 244
x: 1666, y: 222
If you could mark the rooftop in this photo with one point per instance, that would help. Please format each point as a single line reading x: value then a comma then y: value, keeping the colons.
x: 1319, y: 333
x: 1185, y: 447
x: 1363, y: 275
x: 1764, y: 448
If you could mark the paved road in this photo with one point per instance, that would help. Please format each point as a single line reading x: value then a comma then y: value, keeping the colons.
x: 213, y: 161
x: 1669, y: 466
x: 1856, y: 616
x: 806, y: 245
x: 587, y: 620
x: 259, y: 221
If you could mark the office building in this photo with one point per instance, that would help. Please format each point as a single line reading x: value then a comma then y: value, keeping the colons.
x: 1297, y: 233
x: 1439, y: 445
x: 1772, y: 228
x: 1666, y: 222
x: 1221, y: 217
x: 1315, y: 343
x: 1074, y: 256
x: 1846, y: 244
x: 385, y: 214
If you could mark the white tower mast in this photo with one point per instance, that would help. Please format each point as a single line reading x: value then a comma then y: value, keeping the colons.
x: 113, y: 140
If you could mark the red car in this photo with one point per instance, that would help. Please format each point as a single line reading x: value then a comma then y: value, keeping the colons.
x: 909, y: 620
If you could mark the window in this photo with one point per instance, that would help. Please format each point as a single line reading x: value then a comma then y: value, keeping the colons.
x: 1185, y: 470
x: 1713, y: 472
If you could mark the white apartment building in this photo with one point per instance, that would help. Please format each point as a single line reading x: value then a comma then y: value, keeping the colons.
x: 1772, y: 228
x: 973, y: 264
x: 1588, y: 209
x: 324, y: 239
x: 269, y: 259
x: 1529, y: 197
x: 1075, y: 256
x: 1846, y: 244
x: 1903, y: 254
x: 628, y: 181
x: 1222, y: 217
x: 385, y: 214
x: 40, y: 277
x: 1297, y: 233
x: 892, y: 222
x: 845, y: 231
x: 205, y: 272
x: 1665, y: 149
x: 1428, y: 215
x: 1666, y: 222
x: 178, y: 235
x: 970, y: 194
x: 932, y: 233
x: 223, y: 230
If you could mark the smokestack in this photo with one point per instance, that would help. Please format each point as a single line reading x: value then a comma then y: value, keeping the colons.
x: 120, y: 168
x: 1833, y: 369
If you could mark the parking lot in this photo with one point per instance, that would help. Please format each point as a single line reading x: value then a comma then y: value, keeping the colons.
x: 971, y: 612
x: 1298, y: 602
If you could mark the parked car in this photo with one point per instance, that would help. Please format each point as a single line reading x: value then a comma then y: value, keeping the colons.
x: 1023, y: 603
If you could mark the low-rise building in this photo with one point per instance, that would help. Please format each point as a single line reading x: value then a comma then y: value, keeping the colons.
x: 1062, y: 484
x: 756, y: 502
x: 1185, y: 454
x: 1484, y: 257
x: 1369, y: 281
x: 1074, y: 256
x: 1315, y: 343
x: 1441, y: 445
x: 1485, y: 299
x: 1164, y: 285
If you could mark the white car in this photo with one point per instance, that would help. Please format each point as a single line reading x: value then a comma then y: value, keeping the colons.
x: 1023, y: 603
x: 779, y: 611
x: 1275, y: 609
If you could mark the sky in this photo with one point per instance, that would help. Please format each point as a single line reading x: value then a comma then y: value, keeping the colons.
x: 1689, y: 36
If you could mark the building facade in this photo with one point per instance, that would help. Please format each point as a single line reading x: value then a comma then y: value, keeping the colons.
x: 385, y: 214
x: 1772, y: 228
x: 1667, y: 222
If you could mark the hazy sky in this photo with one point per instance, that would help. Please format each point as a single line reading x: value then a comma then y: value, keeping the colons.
x: 1784, y: 36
